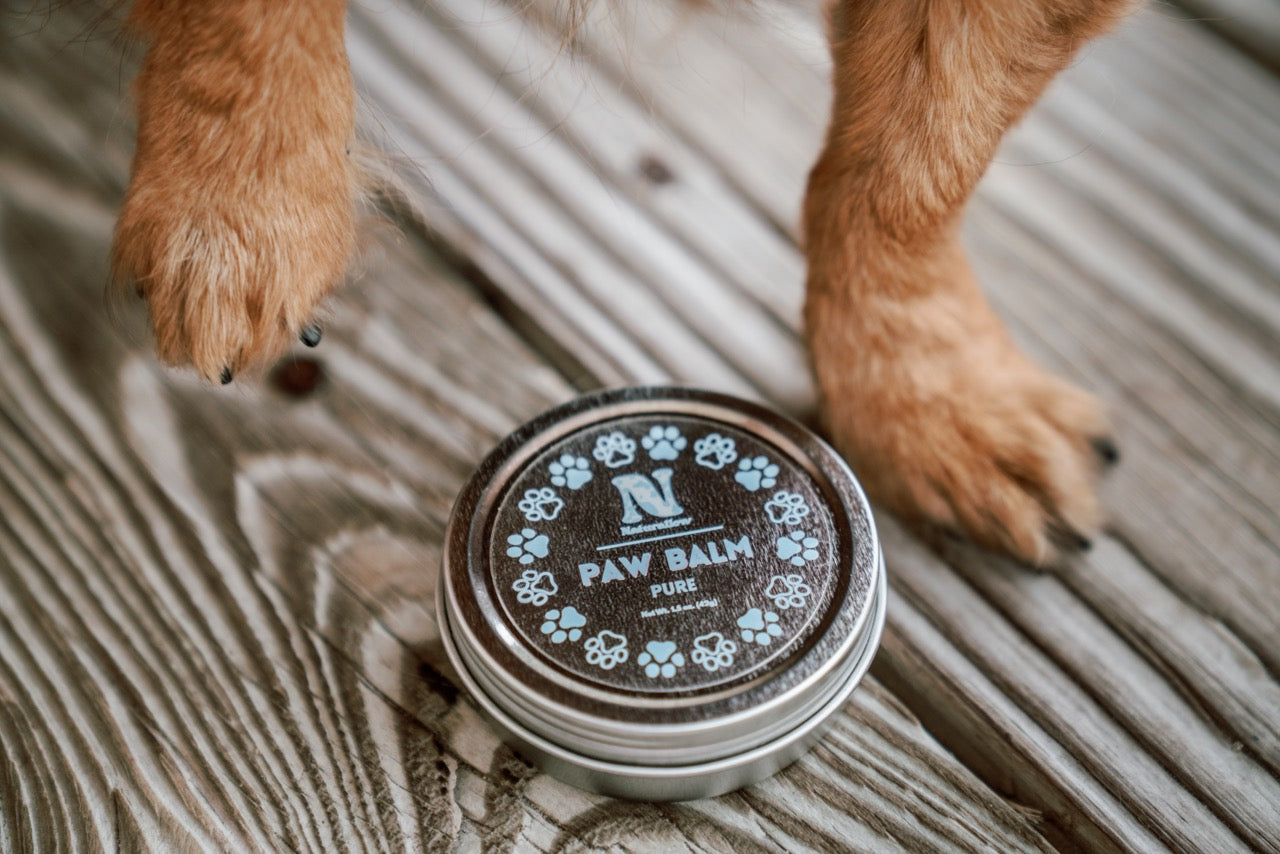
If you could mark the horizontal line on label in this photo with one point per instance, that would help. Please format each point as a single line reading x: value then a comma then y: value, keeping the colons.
x: 659, y: 537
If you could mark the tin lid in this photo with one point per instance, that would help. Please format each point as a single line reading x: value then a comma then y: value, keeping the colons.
x: 661, y: 578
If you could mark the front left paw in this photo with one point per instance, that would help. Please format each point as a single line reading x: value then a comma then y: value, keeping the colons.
x: 978, y: 441
x: 239, y: 217
x: 231, y: 274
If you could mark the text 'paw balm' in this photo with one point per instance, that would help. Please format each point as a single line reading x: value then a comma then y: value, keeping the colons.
x: 661, y: 593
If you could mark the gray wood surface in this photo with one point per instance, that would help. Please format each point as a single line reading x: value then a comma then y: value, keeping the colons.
x: 216, y: 616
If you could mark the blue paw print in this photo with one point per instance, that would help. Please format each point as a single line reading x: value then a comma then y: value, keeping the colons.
x: 660, y: 658
x: 563, y: 625
x: 664, y: 443
x: 714, y: 451
x: 786, y: 508
x: 571, y: 471
x: 535, y: 588
x: 713, y: 651
x: 798, y: 547
x: 756, y: 473
x: 759, y: 627
x: 606, y: 650
x: 540, y: 505
x: 527, y: 545
x: 615, y: 450
x: 788, y: 591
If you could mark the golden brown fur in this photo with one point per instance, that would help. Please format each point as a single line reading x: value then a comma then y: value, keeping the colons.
x: 942, y: 417
x: 238, y: 222
x: 238, y: 219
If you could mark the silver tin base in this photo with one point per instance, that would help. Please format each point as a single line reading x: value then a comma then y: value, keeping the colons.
x: 640, y: 782
x: 661, y: 593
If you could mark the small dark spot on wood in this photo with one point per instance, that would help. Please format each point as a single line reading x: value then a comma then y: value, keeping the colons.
x: 297, y: 377
x: 655, y: 170
x: 1106, y: 449
x: 437, y: 683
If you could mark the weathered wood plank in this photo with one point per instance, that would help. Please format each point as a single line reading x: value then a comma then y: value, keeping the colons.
x: 1138, y: 257
x: 463, y: 120
x: 1252, y: 25
x: 217, y: 628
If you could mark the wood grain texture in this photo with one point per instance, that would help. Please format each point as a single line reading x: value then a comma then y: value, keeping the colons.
x: 216, y: 620
x: 1253, y: 26
x: 1128, y: 231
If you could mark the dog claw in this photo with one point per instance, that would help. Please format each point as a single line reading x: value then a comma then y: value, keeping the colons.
x: 1067, y: 538
x: 226, y: 376
x: 1106, y: 449
x: 311, y: 335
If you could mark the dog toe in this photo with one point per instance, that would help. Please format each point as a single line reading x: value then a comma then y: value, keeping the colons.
x: 1005, y: 454
x: 220, y: 302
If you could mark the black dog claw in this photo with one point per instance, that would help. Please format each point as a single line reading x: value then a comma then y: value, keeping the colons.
x: 1106, y: 449
x: 311, y: 335
x: 226, y: 376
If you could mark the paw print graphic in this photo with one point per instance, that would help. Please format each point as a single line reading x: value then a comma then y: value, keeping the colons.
x: 787, y: 591
x: 540, y: 505
x: 756, y: 472
x: 606, y: 650
x: 759, y: 627
x: 563, y: 625
x: 663, y: 443
x: 660, y: 658
x: 534, y: 587
x: 526, y: 545
x: 713, y: 651
x: 714, y: 451
x: 798, y: 547
x: 571, y: 471
x: 786, y: 508
x: 615, y: 450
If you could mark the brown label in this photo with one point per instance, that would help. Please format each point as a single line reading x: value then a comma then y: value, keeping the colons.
x: 659, y: 554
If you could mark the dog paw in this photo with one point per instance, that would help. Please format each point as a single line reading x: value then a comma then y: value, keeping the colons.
x: 239, y: 217
x: 974, y: 439
x: 231, y: 275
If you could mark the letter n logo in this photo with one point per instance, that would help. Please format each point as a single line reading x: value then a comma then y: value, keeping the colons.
x: 641, y: 493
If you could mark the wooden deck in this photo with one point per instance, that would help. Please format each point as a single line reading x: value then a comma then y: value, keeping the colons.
x: 216, y: 604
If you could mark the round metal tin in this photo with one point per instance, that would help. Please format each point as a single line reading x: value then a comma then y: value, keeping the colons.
x: 661, y: 593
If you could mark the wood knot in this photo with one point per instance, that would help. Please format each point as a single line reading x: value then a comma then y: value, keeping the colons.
x: 655, y: 170
x: 297, y: 377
